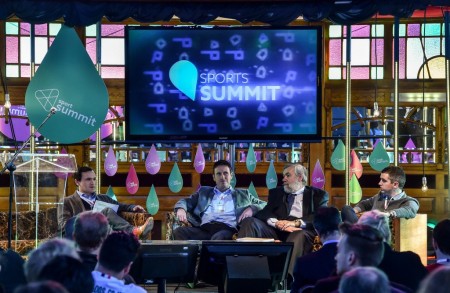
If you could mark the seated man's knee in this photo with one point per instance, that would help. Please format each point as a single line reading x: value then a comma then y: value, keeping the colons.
x: 222, y: 235
x: 107, y: 211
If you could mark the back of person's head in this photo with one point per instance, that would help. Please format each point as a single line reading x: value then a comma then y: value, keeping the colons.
x: 326, y: 221
x: 221, y: 163
x: 45, y: 252
x: 438, y: 281
x: 118, y: 250
x: 441, y: 236
x: 396, y: 174
x: 77, y: 175
x: 90, y: 229
x: 377, y: 220
x: 11, y: 271
x: 365, y: 242
x: 373, y: 124
x: 42, y: 287
x: 69, y: 272
x: 364, y: 279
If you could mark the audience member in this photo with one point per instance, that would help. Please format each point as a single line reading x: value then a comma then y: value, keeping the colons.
x: 116, y: 256
x: 90, y: 229
x: 441, y: 245
x: 360, y: 246
x: 320, y: 264
x: 289, y: 213
x: 405, y: 267
x: 84, y: 199
x: 391, y: 200
x: 42, y: 287
x: 70, y: 273
x: 216, y: 211
x: 438, y: 281
x: 44, y: 253
x: 11, y: 271
x: 364, y: 279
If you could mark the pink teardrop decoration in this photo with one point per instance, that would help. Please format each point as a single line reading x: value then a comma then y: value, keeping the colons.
x: 110, y: 164
x: 199, y: 161
x: 318, y: 177
x: 152, y: 163
x: 63, y: 162
x: 355, y: 166
x: 132, y: 180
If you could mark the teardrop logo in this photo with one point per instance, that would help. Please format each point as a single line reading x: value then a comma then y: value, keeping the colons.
x: 184, y: 76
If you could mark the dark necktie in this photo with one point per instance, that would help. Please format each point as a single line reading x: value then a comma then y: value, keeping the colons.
x: 290, y: 200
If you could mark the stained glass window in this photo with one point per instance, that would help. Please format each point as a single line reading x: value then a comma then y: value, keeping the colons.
x: 367, y: 55
x: 18, y: 46
x: 112, y: 60
x: 420, y: 43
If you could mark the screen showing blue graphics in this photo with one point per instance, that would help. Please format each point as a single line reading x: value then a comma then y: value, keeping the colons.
x: 223, y: 84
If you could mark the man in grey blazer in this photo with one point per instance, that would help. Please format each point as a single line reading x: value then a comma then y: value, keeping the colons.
x: 215, y: 212
x: 84, y: 199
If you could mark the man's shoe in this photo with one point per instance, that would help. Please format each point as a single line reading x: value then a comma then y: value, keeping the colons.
x: 142, y: 232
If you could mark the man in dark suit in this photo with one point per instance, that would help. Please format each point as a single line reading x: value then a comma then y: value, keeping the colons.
x: 84, y: 199
x: 289, y: 213
x: 215, y: 212
x: 320, y: 264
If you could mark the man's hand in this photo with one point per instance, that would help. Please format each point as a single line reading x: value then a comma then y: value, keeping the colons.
x: 245, y: 214
x: 181, y: 215
x: 287, y: 226
x: 139, y: 209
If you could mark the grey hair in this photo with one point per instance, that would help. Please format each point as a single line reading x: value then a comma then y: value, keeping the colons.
x: 44, y: 253
x: 300, y: 170
x: 379, y: 221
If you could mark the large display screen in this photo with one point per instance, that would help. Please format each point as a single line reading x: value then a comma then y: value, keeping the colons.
x: 223, y: 84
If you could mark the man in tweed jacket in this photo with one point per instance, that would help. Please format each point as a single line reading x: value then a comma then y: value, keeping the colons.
x: 84, y: 199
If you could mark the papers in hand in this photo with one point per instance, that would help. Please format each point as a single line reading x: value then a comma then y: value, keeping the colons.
x: 100, y: 205
x: 254, y: 239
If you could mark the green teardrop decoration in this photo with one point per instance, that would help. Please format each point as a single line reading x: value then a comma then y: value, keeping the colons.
x: 379, y: 159
x: 355, y: 190
x: 252, y: 190
x: 110, y: 193
x: 67, y: 82
x: 175, y: 179
x: 233, y: 181
x: 338, y: 157
x: 250, y: 161
x: 152, y: 203
x: 271, y: 176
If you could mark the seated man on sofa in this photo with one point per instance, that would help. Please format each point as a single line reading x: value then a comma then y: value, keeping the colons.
x: 289, y: 213
x: 215, y: 211
x: 392, y: 201
x: 84, y: 199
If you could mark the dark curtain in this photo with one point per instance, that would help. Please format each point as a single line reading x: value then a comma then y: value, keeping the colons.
x: 83, y: 13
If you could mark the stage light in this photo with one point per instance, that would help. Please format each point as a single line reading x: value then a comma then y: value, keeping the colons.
x: 424, y: 184
x: 376, y: 112
x: 7, y: 101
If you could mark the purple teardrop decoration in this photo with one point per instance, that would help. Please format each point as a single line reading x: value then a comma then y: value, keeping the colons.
x: 318, y: 177
x: 132, y: 180
x: 152, y: 163
x: 110, y: 164
x: 199, y: 161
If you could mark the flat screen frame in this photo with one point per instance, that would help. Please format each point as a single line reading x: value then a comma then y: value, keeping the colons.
x: 131, y: 136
